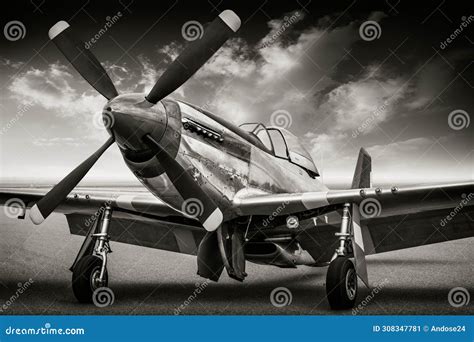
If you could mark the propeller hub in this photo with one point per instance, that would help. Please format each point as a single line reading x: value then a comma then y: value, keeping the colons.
x: 129, y: 117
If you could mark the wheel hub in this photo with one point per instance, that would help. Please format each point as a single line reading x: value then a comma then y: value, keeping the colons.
x: 95, y: 279
x: 351, y: 284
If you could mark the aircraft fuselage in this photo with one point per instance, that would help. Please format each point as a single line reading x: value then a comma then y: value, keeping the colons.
x: 225, y: 160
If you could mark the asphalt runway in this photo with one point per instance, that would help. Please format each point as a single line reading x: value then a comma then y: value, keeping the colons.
x: 147, y: 281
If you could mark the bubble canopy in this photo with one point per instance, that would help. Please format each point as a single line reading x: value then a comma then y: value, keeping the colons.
x: 283, y: 144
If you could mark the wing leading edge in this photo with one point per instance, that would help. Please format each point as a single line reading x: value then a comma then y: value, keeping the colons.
x: 389, y: 201
x: 89, y: 200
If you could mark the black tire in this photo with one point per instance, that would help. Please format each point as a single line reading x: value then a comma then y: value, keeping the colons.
x: 83, y: 285
x: 341, y: 284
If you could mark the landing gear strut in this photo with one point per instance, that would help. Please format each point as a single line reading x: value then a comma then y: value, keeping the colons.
x: 341, y: 278
x: 89, y: 271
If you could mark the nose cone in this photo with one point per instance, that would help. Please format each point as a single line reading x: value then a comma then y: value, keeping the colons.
x: 128, y: 118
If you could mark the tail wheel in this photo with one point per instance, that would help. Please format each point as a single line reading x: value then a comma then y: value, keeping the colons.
x: 341, y: 284
x: 86, y: 278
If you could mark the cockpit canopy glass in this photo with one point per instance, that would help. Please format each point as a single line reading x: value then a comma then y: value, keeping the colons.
x: 283, y: 144
x: 260, y: 132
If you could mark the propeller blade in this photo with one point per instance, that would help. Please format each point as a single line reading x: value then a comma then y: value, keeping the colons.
x: 195, y: 55
x: 82, y: 59
x: 45, y: 206
x: 208, y: 213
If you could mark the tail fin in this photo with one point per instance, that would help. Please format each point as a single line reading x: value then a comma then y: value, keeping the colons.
x: 362, y: 171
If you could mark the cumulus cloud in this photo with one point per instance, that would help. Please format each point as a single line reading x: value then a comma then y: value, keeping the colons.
x: 57, y: 90
x: 362, y: 104
x: 400, y: 149
x: 118, y: 73
x: 429, y: 83
x: 232, y: 60
x: 5, y: 62
x: 246, y: 82
x: 52, y: 89
x: 293, y: 67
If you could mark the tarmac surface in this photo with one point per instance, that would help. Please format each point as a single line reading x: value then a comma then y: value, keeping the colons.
x: 153, y: 282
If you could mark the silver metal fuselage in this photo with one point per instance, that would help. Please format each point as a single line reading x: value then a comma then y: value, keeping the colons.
x: 224, y: 160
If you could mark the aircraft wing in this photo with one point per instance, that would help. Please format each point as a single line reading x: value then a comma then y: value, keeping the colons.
x: 389, y: 201
x: 139, y: 217
x: 89, y: 200
x: 390, y: 218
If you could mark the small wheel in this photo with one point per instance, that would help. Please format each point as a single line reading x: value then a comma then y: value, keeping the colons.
x: 341, y: 284
x: 85, y: 278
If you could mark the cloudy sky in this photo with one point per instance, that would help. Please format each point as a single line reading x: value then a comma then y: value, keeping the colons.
x: 350, y: 75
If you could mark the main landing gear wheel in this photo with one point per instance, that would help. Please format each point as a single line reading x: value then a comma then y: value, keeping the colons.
x: 86, y: 278
x: 341, y: 284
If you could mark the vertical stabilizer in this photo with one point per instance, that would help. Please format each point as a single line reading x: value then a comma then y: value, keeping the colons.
x: 362, y: 171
